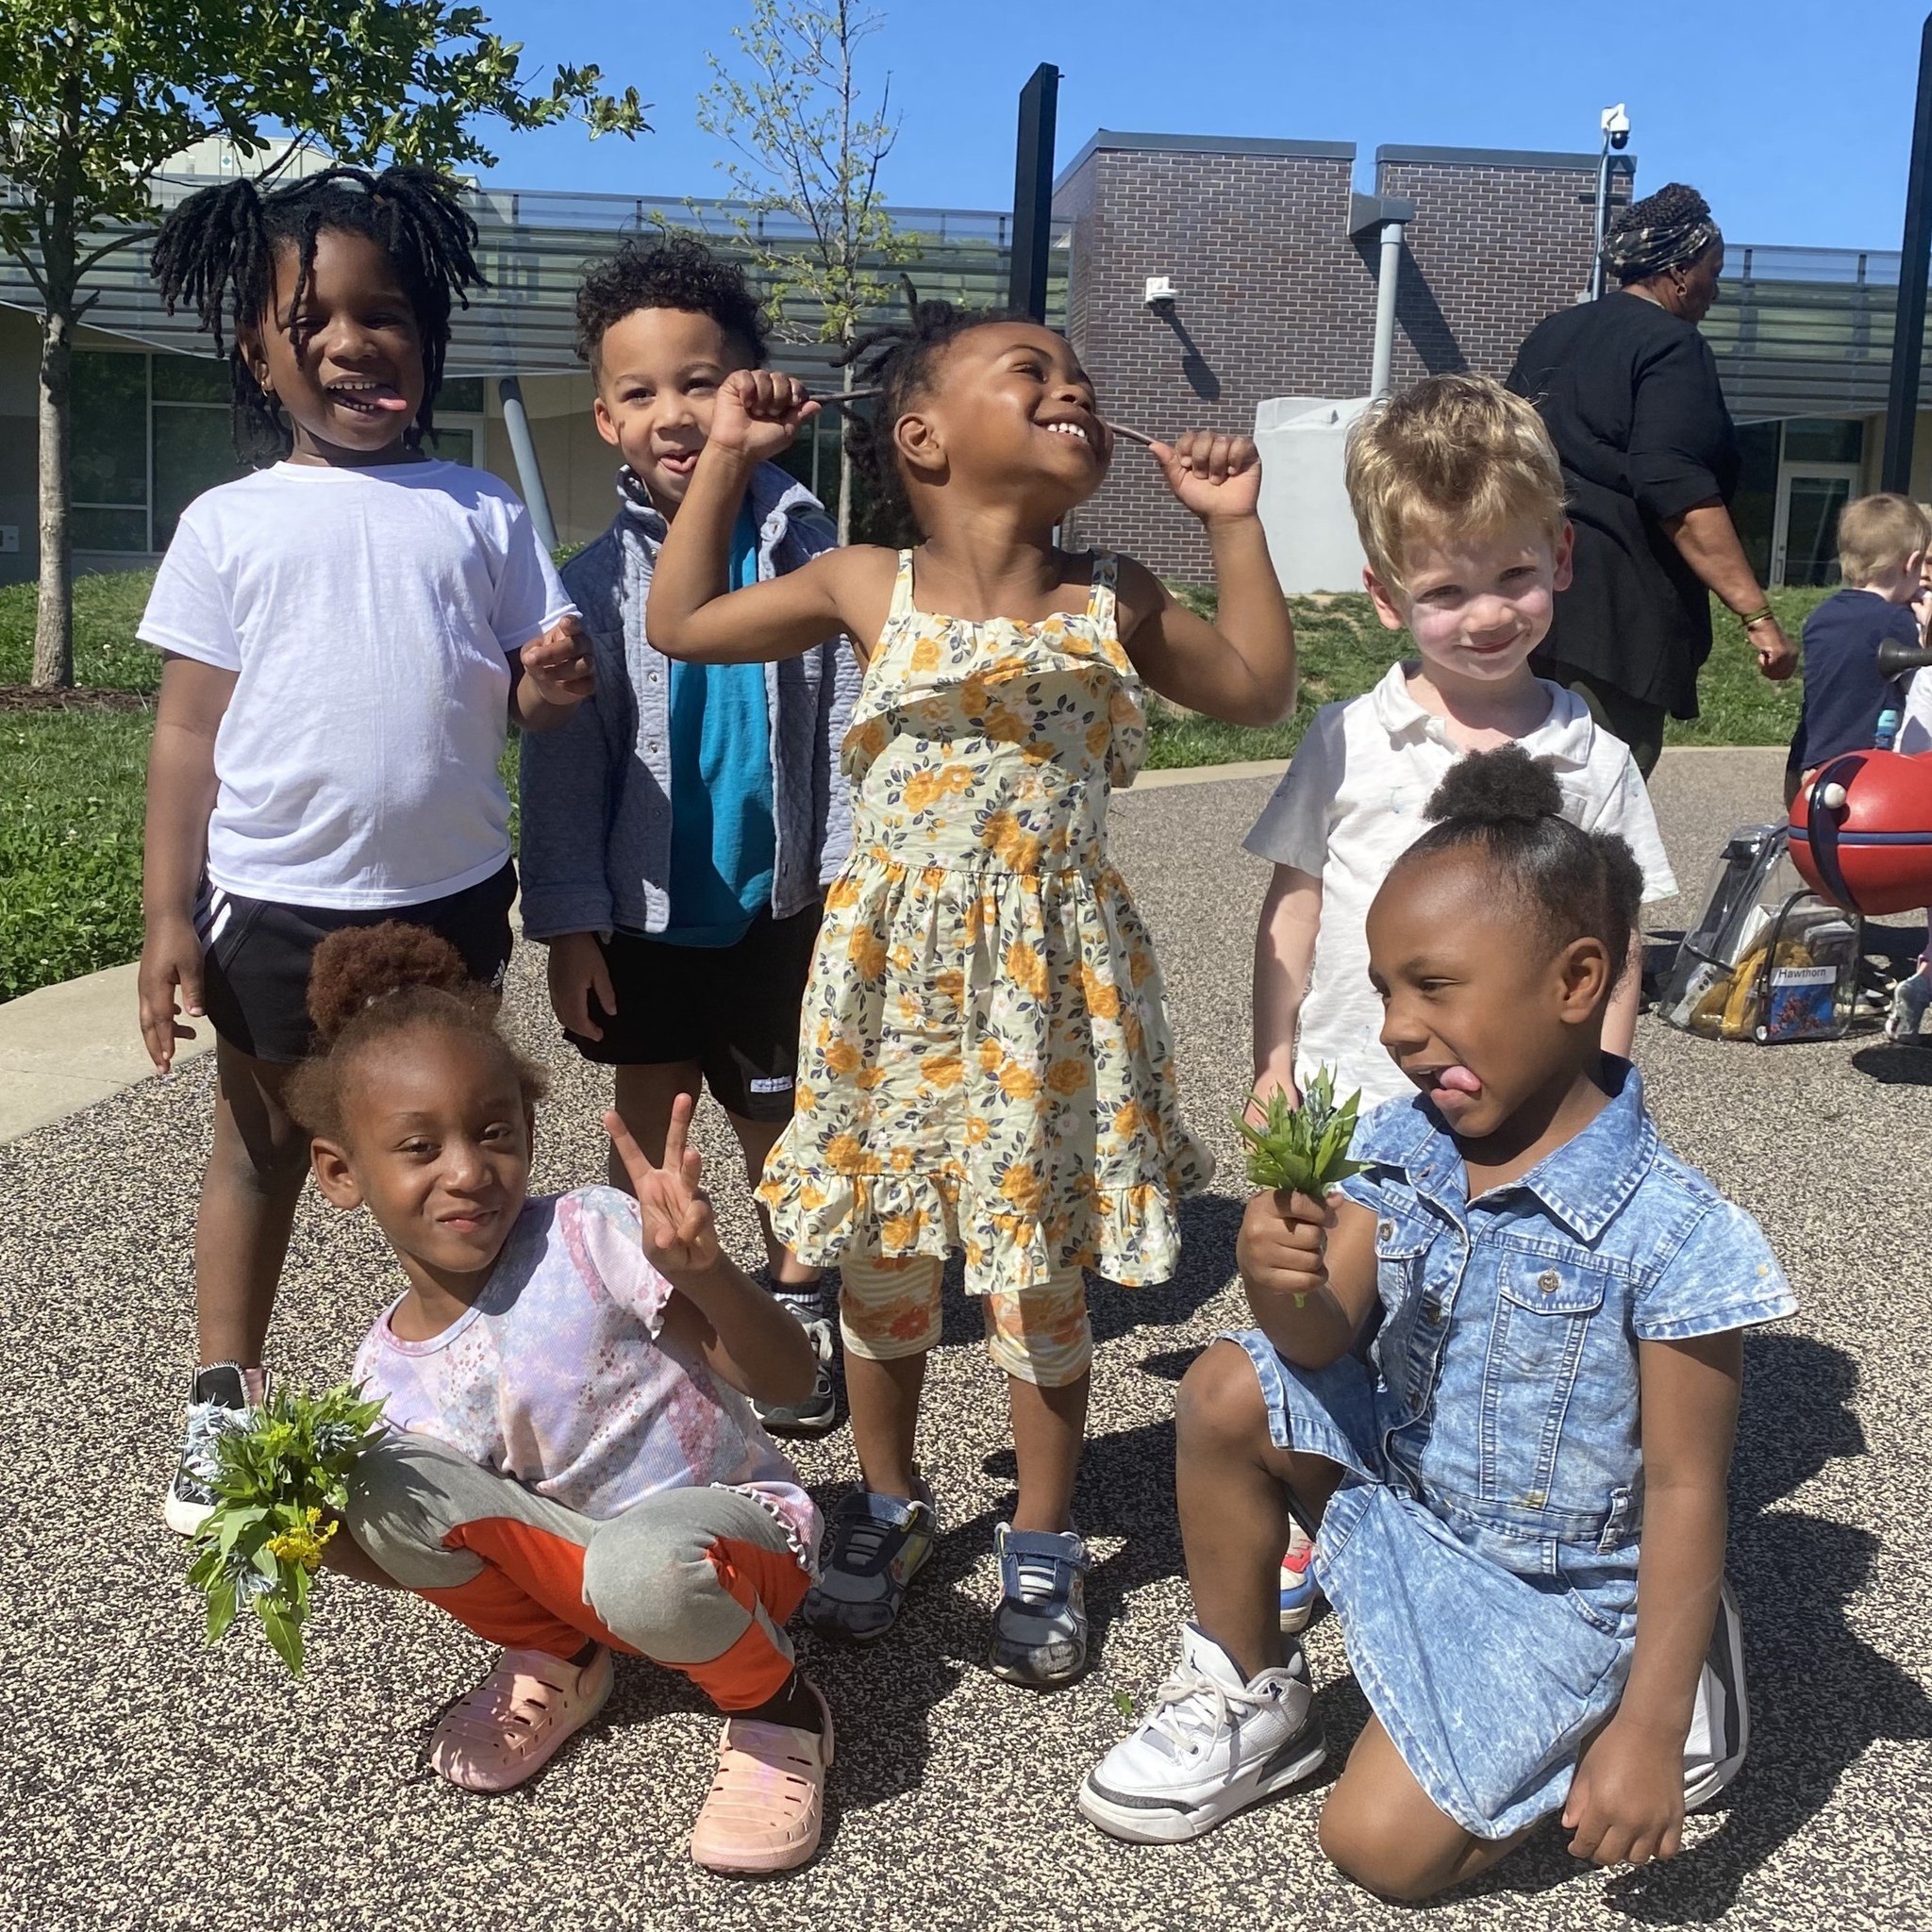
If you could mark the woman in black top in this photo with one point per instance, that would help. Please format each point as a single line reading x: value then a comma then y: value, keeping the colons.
x: 1629, y: 392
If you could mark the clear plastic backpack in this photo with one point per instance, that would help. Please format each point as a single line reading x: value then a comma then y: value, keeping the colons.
x: 1770, y: 961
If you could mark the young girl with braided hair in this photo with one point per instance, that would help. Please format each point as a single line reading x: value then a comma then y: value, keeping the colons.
x: 348, y: 634
x: 984, y: 1061
x: 571, y: 1466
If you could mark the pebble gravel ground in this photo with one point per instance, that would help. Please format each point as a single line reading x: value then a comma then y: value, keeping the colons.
x: 147, y: 1781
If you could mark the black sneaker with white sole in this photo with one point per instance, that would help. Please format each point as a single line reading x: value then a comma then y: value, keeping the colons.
x: 819, y: 1412
x: 219, y: 1398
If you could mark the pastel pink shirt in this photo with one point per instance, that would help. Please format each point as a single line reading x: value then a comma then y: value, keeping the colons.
x: 559, y: 1377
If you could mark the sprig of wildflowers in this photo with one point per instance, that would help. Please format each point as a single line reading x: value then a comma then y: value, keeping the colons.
x: 281, y: 1479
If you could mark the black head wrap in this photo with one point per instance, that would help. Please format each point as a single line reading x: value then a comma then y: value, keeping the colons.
x: 1663, y: 231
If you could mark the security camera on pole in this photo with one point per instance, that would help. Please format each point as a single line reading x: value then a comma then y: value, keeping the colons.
x: 1615, y: 124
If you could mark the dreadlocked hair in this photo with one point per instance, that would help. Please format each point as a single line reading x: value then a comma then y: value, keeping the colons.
x: 1508, y: 807
x: 216, y: 254
x: 369, y: 984
x: 900, y: 358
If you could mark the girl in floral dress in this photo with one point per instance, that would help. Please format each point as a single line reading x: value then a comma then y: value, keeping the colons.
x: 985, y: 1063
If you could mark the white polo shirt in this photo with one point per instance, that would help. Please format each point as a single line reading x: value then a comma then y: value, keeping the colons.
x: 1351, y: 804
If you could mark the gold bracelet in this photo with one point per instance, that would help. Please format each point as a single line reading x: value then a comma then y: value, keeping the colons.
x: 1767, y: 615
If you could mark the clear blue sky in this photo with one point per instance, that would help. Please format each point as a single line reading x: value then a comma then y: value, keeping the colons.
x: 1792, y: 116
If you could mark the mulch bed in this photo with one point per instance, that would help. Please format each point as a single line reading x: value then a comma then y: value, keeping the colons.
x: 28, y: 697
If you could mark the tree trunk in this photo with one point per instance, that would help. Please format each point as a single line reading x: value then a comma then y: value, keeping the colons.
x: 53, y: 621
x: 845, y: 463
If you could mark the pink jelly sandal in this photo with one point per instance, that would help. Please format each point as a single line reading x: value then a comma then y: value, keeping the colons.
x: 767, y: 1803
x: 518, y: 1719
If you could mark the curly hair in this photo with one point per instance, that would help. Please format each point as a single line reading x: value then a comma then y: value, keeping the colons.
x: 1454, y: 451
x: 369, y: 984
x: 901, y: 360
x: 1508, y: 807
x: 217, y: 253
x: 678, y: 273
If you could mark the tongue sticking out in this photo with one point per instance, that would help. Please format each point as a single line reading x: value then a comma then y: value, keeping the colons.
x: 1458, y: 1080
x: 389, y: 401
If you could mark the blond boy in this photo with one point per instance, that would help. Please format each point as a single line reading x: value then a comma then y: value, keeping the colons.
x: 1459, y: 496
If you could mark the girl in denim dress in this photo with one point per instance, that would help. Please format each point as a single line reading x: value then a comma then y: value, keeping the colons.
x: 1538, y: 1434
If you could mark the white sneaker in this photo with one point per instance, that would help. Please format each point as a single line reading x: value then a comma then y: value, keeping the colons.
x: 1719, y: 1719
x: 1214, y: 1746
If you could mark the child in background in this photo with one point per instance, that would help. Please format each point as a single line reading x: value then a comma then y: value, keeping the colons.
x: 571, y: 1467
x: 346, y: 637
x: 1520, y: 1492
x: 678, y: 831
x: 1459, y: 496
x: 1913, y: 993
x: 985, y: 1062
x: 1882, y: 546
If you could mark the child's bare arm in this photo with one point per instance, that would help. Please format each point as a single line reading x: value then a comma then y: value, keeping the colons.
x: 692, y: 613
x: 182, y: 789
x: 1241, y: 668
x: 1284, y: 955
x: 1626, y: 1802
x: 742, y: 1332
x: 1309, y: 1267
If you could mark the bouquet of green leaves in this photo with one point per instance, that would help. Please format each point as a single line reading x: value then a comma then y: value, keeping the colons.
x: 281, y: 1478
x: 1305, y: 1148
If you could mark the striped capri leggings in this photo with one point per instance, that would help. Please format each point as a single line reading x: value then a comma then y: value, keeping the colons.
x: 889, y: 1308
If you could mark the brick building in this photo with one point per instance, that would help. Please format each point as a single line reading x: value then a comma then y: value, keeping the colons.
x: 1275, y: 295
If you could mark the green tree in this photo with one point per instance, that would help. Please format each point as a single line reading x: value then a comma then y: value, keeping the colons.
x: 789, y: 107
x: 95, y: 98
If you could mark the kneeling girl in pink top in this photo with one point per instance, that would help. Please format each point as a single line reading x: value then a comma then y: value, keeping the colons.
x: 572, y: 1467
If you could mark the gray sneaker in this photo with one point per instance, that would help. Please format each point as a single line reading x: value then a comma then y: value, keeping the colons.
x: 874, y: 1546
x: 1039, y: 1629
x: 219, y: 1399
x: 819, y: 1412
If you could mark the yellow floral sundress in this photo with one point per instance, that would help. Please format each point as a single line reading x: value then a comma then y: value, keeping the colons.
x: 984, y: 1058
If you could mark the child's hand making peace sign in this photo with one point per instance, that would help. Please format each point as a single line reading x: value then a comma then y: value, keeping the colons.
x: 680, y: 1234
x: 1215, y: 477
x: 758, y: 413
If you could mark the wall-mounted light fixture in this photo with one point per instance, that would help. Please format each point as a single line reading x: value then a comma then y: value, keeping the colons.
x: 1159, y: 291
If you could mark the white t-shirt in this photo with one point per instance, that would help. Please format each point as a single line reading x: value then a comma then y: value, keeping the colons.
x: 369, y: 615
x: 1915, y: 726
x: 1351, y: 804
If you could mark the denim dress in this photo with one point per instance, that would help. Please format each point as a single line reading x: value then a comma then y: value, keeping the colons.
x: 1481, y: 1551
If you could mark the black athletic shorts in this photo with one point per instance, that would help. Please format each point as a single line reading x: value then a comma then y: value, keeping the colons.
x: 256, y: 954
x: 733, y: 1009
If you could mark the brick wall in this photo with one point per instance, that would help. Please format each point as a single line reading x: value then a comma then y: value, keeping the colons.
x: 1272, y: 301
x: 1493, y: 248
x: 1274, y: 298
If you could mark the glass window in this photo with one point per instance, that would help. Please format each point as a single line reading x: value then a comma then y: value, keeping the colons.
x: 1811, y: 514
x: 1754, y: 506
x: 192, y: 380
x: 110, y: 429
x: 109, y: 529
x: 461, y: 395
x: 194, y: 449
x: 1825, y: 440
x: 456, y: 445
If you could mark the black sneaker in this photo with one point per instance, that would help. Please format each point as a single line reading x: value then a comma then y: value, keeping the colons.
x: 819, y: 1412
x: 876, y: 1546
x: 219, y: 1398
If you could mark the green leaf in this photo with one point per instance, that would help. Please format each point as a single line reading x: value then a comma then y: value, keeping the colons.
x: 284, y: 1632
x: 221, y: 1610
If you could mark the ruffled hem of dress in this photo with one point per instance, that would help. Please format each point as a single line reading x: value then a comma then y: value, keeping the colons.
x: 808, y: 1554
x: 1130, y: 1235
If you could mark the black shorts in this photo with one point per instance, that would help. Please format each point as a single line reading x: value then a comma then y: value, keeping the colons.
x: 256, y: 954
x: 733, y: 1009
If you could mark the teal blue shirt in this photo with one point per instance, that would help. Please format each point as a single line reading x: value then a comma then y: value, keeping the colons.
x: 723, y: 841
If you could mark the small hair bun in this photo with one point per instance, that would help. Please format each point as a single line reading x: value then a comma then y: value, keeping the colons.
x: 359, y: 964
x: 1496, y: 788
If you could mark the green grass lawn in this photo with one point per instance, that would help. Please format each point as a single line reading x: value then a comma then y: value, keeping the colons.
x: 71, y: 781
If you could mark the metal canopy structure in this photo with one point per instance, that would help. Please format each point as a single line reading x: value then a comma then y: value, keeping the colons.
x: 533, y: 246
x: 1806, y: 331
